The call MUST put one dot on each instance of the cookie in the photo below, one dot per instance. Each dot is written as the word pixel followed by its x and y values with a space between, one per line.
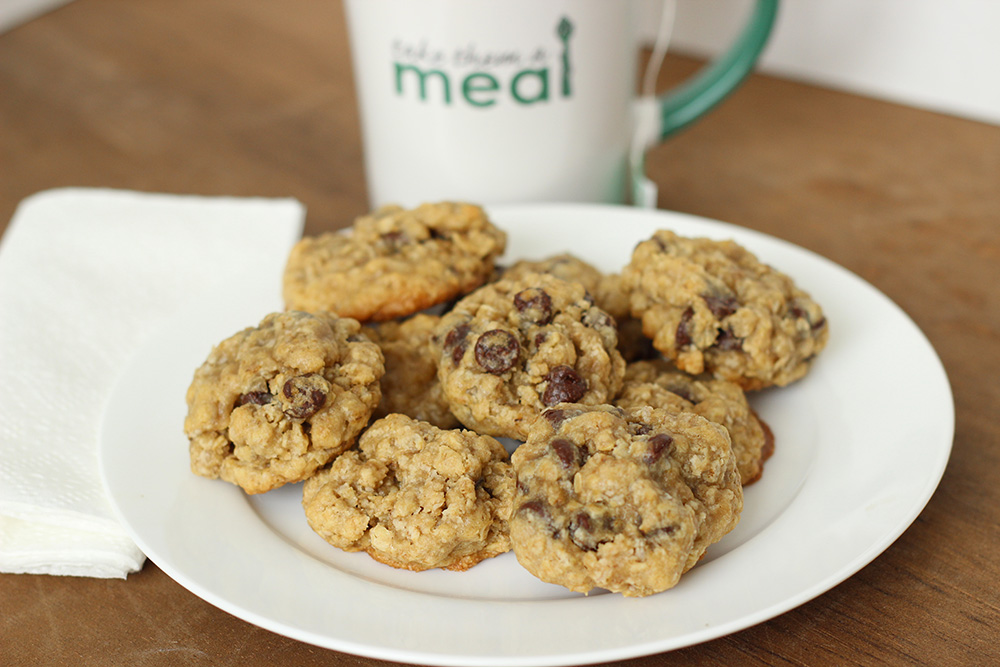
pixel 625 500
pixel 410 385
pixel 660 385
pixel 415 497
pixel 512 348
pixel 275 402
pixel 712 306
pixel 394 262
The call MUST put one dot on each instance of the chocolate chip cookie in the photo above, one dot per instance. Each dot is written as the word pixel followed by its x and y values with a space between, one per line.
pixel 512 348
pixel 415 497
pixel 712 306
pixel 394 262
pixel 410 385
pixel 660 385
pixel 274 402
pixel 621 499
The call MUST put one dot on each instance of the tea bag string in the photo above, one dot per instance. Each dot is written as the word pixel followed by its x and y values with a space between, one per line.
pixel 646 132
pixel 668 15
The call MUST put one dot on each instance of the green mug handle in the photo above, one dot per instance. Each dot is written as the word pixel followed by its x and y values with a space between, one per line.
pixel 716 80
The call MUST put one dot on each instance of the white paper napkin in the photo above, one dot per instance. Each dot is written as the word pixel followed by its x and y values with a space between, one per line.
pixel 85 277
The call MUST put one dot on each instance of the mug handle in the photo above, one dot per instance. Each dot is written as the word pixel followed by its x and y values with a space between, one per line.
pixel 715 81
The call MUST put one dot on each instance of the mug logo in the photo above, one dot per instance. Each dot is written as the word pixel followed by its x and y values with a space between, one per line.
pixel 564 31
pixel 482 79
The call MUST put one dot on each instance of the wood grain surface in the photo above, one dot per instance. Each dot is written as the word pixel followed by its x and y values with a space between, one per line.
pixel 253 97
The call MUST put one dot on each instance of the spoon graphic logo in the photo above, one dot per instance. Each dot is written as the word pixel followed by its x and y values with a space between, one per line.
pixel 565 31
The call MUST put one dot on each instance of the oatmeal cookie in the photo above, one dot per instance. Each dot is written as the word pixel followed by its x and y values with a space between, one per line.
pixel 410 385
pixel 514 347
pixel 394 262
pixel 621 499
pixel 274 402
pixel 415 497
pixel 660 385
pixel 712 306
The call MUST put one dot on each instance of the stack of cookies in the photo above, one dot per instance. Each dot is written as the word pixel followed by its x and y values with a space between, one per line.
pixel 405 352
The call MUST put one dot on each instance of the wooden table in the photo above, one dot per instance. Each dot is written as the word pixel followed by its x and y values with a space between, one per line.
pixel 252 97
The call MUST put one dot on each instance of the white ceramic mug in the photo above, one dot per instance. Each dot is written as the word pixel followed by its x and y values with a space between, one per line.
pixel 499 101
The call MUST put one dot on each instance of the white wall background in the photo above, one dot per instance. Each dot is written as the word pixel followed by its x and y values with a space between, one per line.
pixel 941 55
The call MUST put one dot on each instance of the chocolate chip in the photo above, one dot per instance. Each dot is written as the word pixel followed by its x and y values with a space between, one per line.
pixel 540 509
pixel 580 532
pixel 535 507
pixel 726 341
pixel 659 444
pixel 683 392
pixel 565 386
pixel 683 336
pixel 797 311
pixel 566 451
pixel 306 394
pixel 458 352
pixel 455 342
pixel 456 335
pixel 662 531
pixel 534 305
pixel 254 398
pixel 539 339
pixel 497 351
pixel 555 417
pixel 638 428
pixel 722 305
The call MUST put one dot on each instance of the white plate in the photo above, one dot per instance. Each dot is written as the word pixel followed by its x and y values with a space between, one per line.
pixel 862 442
